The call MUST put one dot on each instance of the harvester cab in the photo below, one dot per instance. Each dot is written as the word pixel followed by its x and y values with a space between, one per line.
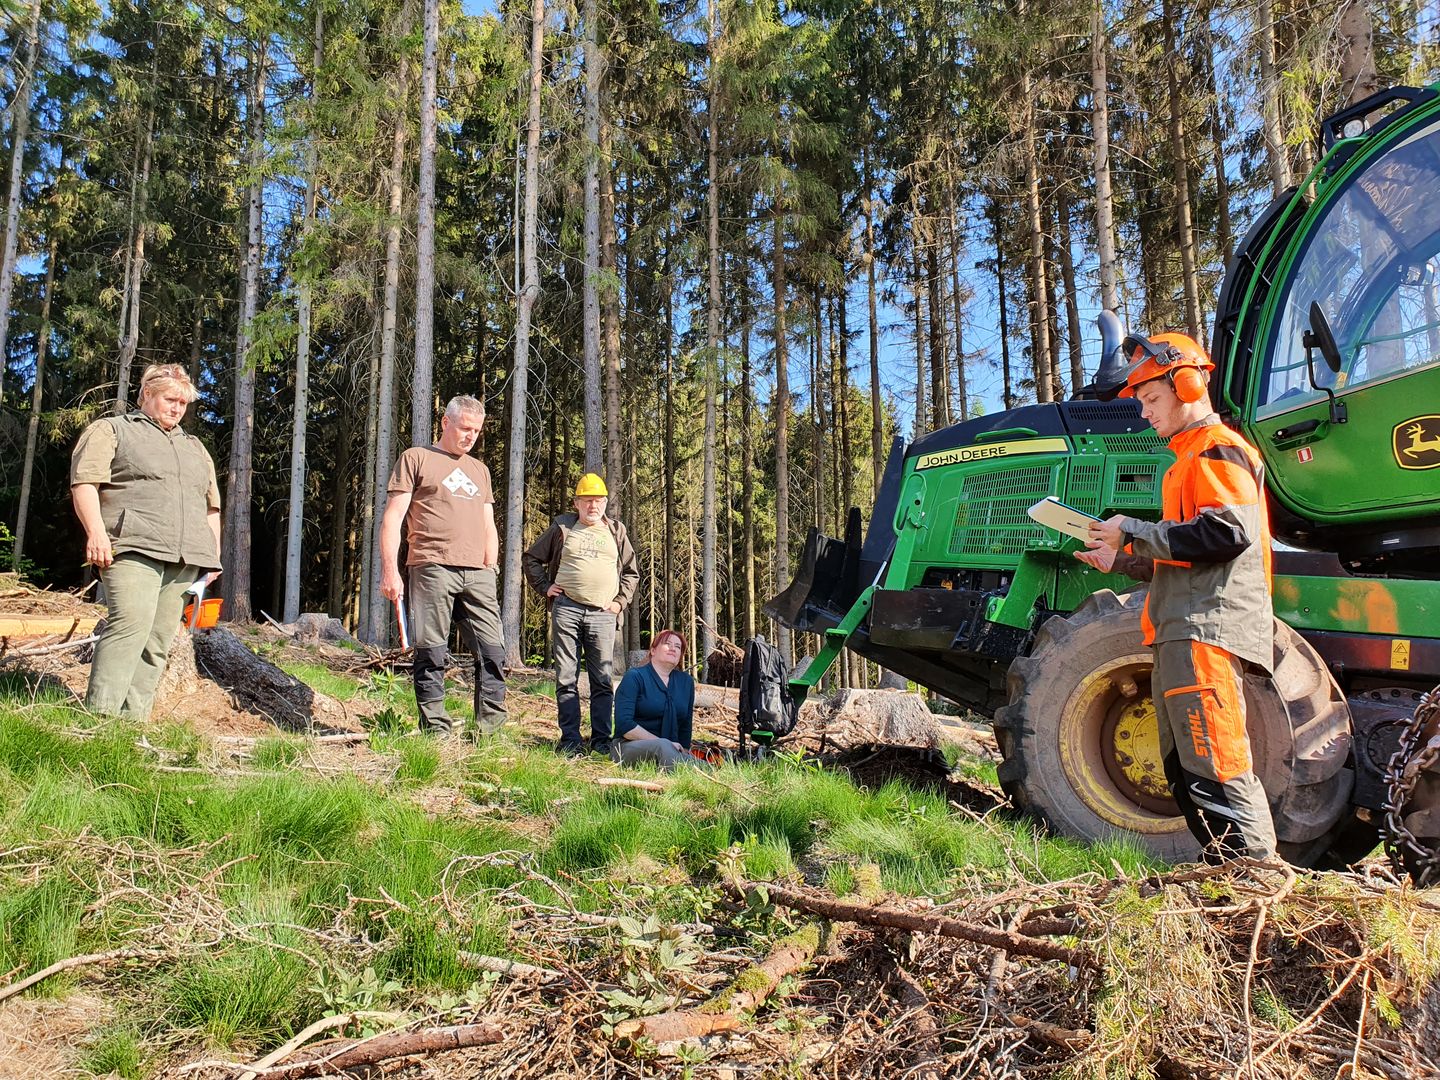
pixel 1327 357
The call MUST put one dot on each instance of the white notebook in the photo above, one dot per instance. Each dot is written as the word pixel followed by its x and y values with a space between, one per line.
pixel 1054 514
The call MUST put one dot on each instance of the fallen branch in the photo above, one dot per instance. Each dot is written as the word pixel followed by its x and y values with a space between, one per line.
pixel 916 1002
pixel 724 1011
pixel 41 650
pixel 625 781
pixel 841 911
pixel 505 966
pixel 88 960
pixel 1064 1038
pixel 343 737
pixel 372 1051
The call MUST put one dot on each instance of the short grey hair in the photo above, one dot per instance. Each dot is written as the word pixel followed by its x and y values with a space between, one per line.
pixel 466 404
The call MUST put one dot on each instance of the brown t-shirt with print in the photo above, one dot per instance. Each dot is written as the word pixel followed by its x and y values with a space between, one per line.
pixel 448 493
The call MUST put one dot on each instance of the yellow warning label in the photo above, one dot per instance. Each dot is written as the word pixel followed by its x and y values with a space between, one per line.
pixel 1400 654
pixel 988 451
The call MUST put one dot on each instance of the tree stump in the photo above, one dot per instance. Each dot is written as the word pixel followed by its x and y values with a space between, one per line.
pixel 180 672
pixel 855 718
pixel 723 665
pixel 314 627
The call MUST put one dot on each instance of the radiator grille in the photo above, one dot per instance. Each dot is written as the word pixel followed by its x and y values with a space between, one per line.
pixel 1137 484
pixel 1085 481
pixel 1146 442
pixel 991 517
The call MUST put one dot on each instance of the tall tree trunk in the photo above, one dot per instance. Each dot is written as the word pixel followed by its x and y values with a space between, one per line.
pixel 1100 144
pixel 917 294
pixel 594 429
pixel 782 418
pixel 841 374
pixel 135 259
pixel 747 458
pixel 520 377
pixel 708 618
pixel 1358 77
pixel 37 399
pixel 939 347
pixel 235 583
pixel 1179 157
pixel 610 327
pixel 422 383
pixel 1007 384
pixel 957 301
pixel 369 577
pixel 1275 153
pixel 877 442
pixel 1067 278
pixel 19 131
pixel 817 407
pixel 1224 231
pixel 340 506
pixel 668 398
pixel 295 517
pixel 1039 298
pixel 377 630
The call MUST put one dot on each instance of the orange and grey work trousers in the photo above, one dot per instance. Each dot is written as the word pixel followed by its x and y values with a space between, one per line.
pixel 1200 703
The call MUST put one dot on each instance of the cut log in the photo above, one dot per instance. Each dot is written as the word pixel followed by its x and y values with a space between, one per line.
pixel 34 626
pixel 259 686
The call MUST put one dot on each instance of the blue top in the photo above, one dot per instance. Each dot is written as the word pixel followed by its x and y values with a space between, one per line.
pixel 664 711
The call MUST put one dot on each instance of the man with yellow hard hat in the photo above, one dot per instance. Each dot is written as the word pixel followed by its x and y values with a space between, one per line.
pixel 585 567
pixel 1208 611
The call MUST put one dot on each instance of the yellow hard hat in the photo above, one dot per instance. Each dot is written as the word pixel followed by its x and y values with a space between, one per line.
pixel 590 484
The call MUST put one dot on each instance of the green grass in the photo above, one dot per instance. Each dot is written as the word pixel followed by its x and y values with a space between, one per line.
pixel 419 759
pixel 276 752
pixel 115 1051
pixel 290 854
pixel 321 678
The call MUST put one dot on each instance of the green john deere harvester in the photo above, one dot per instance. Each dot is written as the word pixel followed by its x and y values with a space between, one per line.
pixel 1327 352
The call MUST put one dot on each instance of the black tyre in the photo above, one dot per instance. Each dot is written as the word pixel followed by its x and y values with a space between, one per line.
pixel 1081 744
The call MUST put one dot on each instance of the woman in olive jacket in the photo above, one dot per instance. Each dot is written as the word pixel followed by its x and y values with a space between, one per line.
pixel 145 491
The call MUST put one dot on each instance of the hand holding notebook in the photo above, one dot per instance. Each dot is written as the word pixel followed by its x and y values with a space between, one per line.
pixel 1054 514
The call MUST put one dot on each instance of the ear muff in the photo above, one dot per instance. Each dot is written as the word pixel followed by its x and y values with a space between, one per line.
pixel 1189 384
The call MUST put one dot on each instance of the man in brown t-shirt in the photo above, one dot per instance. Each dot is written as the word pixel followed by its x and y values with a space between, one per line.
pixel 443 496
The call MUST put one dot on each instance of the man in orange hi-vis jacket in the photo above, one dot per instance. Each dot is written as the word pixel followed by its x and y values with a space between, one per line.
pixel 1208 611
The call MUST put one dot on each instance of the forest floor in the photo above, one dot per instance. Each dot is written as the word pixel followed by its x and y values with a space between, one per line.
pixel 222 895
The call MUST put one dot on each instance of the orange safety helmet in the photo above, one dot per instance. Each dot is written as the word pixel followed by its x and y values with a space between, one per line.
pixel 1176 357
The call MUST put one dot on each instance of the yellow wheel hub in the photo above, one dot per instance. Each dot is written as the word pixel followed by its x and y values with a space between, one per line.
pixel 1110 748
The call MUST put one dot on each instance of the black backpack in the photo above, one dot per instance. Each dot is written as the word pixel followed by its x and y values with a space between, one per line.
pixel 768 711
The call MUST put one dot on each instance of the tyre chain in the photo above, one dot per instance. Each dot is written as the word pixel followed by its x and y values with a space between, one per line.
pixel 1415 756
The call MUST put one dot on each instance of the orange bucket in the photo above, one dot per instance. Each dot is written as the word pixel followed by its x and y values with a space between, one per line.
pixel 208 617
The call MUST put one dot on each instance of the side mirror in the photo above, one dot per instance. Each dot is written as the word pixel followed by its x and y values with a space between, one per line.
pixel 1319 336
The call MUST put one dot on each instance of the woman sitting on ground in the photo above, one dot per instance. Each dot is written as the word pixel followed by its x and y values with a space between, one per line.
pixel 654 707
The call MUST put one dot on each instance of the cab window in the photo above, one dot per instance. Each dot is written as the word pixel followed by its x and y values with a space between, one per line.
pixel 1373 265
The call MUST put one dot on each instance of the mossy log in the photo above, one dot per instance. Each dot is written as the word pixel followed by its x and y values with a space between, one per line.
pixel 726 1010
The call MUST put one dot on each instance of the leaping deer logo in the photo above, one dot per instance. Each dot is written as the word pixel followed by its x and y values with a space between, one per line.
pixel 1417 443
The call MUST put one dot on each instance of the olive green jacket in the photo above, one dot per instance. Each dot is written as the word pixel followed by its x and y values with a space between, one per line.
pixel 156 490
